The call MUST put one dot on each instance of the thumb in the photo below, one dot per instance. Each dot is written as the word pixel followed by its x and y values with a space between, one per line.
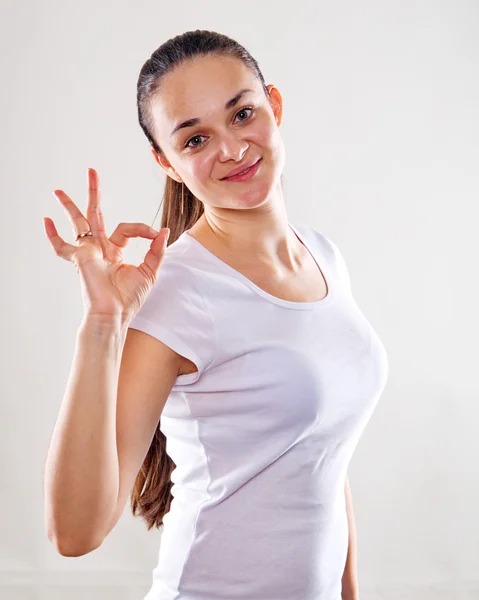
pixel 156 254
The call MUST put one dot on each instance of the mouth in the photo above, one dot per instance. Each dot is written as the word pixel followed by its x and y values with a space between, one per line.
pixel 246 174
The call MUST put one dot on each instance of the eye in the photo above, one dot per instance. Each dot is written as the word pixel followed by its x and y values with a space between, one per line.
pixel 195 137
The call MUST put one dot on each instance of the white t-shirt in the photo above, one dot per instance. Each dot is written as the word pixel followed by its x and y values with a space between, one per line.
pixel 263 432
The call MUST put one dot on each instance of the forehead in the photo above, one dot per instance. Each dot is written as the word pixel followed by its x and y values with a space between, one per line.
pixel 199 89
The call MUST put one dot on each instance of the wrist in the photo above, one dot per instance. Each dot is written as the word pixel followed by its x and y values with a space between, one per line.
pixel 104 323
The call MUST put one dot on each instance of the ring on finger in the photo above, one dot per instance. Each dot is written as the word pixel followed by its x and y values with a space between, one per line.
pixel 82 235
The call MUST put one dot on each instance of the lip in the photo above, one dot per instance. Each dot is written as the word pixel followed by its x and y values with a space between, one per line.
pixel 247 165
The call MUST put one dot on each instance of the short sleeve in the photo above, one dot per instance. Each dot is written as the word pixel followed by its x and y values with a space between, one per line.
pixel 176 313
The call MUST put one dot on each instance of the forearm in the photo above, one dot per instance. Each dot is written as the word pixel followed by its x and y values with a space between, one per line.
pixel 81 470
pixel 350 588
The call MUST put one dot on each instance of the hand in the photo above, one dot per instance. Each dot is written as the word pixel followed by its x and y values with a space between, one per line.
pixel 109 287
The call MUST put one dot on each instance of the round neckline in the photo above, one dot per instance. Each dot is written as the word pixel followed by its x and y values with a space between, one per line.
pixel 279 301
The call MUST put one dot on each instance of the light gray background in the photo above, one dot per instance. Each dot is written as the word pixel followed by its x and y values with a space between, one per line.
pixel 381 132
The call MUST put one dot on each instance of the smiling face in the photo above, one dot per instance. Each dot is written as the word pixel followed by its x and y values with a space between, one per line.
pixel 233 124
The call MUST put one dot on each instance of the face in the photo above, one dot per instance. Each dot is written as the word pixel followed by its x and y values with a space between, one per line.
pixel 225 138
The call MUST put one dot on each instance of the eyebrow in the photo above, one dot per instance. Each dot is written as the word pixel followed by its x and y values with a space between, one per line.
pixel 196 120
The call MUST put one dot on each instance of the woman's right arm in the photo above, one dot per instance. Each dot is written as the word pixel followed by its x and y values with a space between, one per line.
pixel 81 470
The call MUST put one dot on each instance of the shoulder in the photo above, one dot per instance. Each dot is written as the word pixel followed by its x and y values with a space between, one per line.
pixel 179 271
pixel 178 291
pixel 315 237
pixel 325 246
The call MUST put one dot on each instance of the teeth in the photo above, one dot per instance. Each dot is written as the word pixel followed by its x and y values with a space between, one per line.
pixel 242 172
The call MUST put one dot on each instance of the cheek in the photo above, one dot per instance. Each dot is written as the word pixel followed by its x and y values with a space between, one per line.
pixel 265 134
pixel 200 167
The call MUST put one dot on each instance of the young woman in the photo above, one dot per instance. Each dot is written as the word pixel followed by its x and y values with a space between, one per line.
pixel 242 335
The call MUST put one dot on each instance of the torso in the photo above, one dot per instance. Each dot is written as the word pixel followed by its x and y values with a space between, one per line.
pixel 307 284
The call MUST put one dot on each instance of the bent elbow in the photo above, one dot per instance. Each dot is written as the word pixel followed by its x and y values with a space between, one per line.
pixel 74 548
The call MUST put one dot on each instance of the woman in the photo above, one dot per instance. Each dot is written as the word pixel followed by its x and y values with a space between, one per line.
pixel 243 337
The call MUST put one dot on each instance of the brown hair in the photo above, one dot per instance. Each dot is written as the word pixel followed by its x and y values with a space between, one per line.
pixel 151 495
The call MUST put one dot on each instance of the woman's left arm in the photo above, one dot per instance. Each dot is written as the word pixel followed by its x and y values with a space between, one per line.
pixel 350 587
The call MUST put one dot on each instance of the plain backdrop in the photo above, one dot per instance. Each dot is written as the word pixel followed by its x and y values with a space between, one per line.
pixel 381 131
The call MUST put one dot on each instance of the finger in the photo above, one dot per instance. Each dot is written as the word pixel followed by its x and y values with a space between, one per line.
pixel 94 212
pixel 155 255
pixel 125 231
pixel 78 220
pixel 61 248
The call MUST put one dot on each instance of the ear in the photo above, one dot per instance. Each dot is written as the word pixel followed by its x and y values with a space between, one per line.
pixel 276 101
pixel 165 165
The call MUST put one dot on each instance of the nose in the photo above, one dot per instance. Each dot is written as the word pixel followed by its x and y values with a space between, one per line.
pixel 231 148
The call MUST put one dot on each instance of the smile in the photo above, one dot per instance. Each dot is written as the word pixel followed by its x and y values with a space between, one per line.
pixel 245 175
